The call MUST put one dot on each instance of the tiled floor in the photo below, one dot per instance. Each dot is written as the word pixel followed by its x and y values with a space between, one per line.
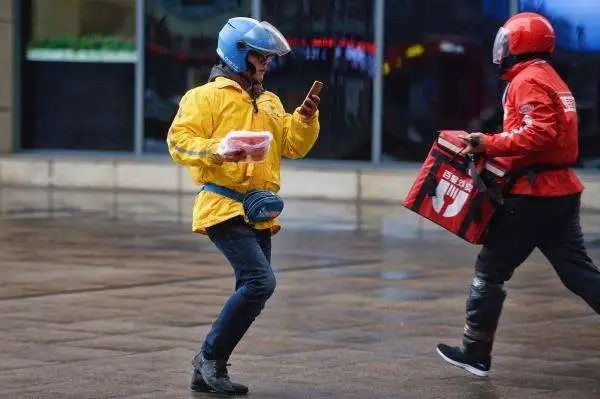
pixel 107 295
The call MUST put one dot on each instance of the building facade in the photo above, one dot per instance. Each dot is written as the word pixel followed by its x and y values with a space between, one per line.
pixel 106 76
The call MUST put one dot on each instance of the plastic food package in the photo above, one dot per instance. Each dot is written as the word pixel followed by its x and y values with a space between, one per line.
pixel 255 145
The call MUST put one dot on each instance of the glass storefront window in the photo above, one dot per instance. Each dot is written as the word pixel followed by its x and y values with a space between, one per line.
pixel 78 70
pixel 438 72
pixel 332 41
pixel 78 74
pixel 181 43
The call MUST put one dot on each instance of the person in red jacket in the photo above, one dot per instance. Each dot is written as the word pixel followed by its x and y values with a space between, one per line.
pixel 541 210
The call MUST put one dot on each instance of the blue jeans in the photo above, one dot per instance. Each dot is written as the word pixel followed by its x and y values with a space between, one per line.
pixel 249 253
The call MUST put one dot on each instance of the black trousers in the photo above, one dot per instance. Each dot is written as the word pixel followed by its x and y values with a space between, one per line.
pixel 524 223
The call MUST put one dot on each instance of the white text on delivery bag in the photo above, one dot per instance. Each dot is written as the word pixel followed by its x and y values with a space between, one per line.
pixel 459 193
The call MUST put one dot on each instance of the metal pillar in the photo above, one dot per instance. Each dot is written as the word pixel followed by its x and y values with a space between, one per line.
pixel 255 11
pixel 140 40
pixel 17 9
pixel 379 20
pixel 514 7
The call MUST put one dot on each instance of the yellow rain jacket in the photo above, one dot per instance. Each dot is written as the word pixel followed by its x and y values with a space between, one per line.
pixel 206 114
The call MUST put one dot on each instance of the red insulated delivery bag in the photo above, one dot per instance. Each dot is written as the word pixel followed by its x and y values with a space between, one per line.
pixel 459 193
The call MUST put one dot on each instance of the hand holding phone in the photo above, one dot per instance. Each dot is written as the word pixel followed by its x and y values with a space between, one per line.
pixel 311 102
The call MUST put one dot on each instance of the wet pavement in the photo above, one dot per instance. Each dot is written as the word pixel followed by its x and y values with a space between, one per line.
pixel 107 295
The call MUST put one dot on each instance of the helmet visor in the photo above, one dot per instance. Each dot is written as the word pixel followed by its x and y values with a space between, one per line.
pixel 500 49
pixel 266 39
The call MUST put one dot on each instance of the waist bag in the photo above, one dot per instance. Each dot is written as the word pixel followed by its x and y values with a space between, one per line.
pixel 259 205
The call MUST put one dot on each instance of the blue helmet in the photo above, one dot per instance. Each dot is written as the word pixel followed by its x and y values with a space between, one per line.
pixel 240 35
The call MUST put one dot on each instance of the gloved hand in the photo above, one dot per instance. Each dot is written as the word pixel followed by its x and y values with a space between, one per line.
pixel 475 143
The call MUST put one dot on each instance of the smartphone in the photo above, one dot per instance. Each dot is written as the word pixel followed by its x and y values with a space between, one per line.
pixel 315 89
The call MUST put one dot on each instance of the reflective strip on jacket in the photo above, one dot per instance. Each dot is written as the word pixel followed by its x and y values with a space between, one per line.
pixel 206 114
pixel 540 127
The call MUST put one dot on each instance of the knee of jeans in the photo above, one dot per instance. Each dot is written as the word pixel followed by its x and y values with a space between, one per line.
pixel 262 287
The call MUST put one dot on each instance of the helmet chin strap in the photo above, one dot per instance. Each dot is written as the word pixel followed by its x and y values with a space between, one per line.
pixel 250 67
pixel 512 60
pixel 254 87
pixel 248 75
pixel 246 80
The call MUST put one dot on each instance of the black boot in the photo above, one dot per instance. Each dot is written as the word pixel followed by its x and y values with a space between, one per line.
pixel 458 356
pixel 484 306
pixel 212 376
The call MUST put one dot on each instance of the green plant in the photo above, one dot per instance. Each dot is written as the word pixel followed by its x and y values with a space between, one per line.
pixel 92 42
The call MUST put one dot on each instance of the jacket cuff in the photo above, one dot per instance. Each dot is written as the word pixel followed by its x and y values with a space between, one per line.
pixel 303 119
pixel 490 146
pixel 214 158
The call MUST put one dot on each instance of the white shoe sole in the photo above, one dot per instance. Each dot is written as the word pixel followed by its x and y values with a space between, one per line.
pixel 470 369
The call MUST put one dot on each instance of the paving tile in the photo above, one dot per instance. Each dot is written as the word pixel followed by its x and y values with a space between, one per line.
pixel 115 307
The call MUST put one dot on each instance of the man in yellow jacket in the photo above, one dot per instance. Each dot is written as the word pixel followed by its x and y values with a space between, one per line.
pixel 234 100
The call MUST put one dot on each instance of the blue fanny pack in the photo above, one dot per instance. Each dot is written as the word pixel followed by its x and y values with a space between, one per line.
pixel 259 205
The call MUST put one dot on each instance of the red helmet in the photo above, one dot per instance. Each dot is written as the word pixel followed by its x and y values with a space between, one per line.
pixel 523 33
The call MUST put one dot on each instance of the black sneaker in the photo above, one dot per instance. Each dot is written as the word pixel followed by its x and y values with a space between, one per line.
pixel 198 384
pixel 212 376
pixel 456 356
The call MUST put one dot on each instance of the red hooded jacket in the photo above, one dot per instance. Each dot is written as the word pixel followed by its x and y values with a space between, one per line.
pixel 540 127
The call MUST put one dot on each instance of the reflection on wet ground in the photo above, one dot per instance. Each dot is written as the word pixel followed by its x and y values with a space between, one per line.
pixel 107 294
